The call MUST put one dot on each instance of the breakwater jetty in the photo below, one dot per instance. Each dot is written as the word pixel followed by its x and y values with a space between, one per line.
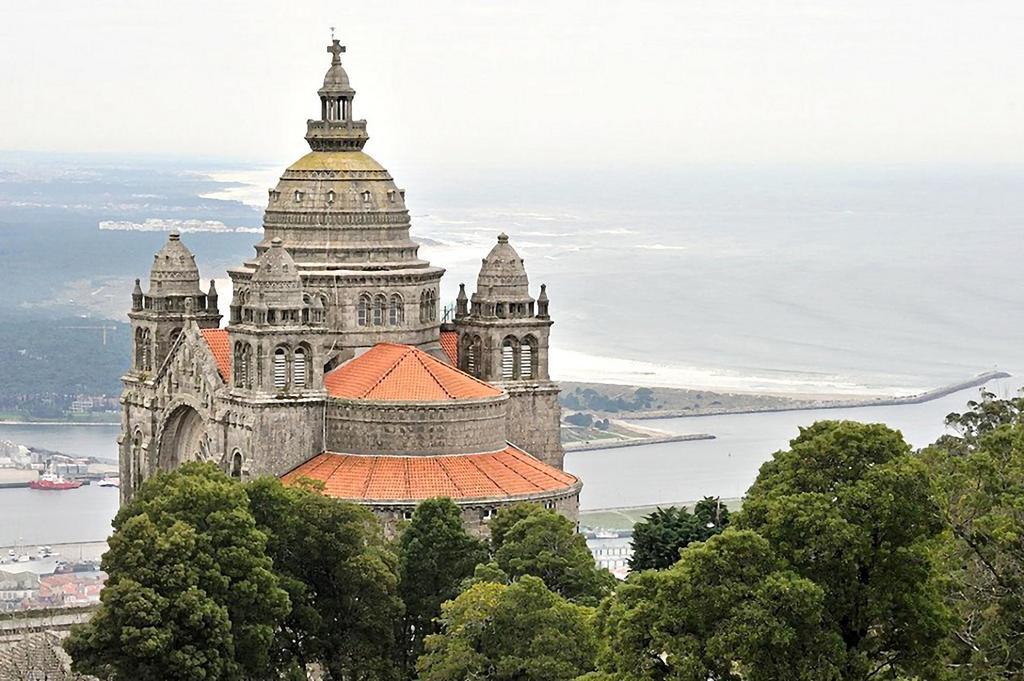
pixel 920 398
pixel 587 446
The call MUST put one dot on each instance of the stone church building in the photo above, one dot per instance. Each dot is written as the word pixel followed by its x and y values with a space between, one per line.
pixel 334 365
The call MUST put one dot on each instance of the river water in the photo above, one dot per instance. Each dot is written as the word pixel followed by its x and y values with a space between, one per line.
pixel 631 476
pixel 727 465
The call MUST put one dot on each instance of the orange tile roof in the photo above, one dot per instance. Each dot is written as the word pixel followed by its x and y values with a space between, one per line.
pixel 507 473
pixel 450 345
pixel 403 373
pixel 217 339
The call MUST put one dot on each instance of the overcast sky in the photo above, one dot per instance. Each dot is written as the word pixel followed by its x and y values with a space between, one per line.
pixel 564 83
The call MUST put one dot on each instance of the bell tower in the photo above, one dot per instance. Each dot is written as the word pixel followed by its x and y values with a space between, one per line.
pixel 275 331
pixel 503 339
pixel 159 315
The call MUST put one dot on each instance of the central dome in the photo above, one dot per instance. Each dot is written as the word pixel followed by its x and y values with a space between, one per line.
pixel 343 223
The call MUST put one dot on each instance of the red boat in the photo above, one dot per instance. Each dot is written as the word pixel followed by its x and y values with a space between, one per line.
pixel 51 481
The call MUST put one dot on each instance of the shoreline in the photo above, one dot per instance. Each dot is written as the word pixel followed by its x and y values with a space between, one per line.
pixel 58 423
pixel 802 405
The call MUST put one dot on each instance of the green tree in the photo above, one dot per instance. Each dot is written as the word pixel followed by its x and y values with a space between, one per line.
pixel 341 578
pixel 191 593
pixel 982 416
pixel 435 555
pixel 849 507
pixel 545 544
pixel 979 483
pixel 519 632
pixel 658 538
pixel 727 610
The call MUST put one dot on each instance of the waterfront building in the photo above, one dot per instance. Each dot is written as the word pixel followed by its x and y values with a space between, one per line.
pixel 335 365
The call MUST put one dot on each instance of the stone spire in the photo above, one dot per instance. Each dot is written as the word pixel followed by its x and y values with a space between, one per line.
pixel 174 270
pixel 211 295
pixel 502 279
pixel 542 302
pixel 336 130
pixel 137 296
pixel 461 303
pixel 277 278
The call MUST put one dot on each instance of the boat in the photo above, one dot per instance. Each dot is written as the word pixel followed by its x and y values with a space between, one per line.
pixel 109 482
pixel 49 481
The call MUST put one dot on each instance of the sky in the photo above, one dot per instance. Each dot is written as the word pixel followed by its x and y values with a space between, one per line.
pixel 568 86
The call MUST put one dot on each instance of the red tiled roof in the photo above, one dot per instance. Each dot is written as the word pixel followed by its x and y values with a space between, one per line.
pixel 450 345
pixel 509 472
pixel 403 373
pixel 217 339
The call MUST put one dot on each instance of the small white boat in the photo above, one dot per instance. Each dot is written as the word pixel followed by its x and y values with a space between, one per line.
pixel 110 482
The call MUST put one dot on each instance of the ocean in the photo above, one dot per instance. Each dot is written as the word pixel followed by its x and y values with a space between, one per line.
pixel 873 281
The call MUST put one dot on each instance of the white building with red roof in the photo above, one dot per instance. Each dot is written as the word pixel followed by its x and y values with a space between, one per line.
pixel 334 365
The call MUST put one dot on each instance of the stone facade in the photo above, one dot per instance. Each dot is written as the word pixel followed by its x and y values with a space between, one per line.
pixel 335 275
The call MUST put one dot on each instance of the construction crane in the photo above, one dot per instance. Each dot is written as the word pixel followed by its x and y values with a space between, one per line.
pixel 104 329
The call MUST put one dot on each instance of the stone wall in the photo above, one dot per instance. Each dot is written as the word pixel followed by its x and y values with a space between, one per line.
pixel 534 420
pixel 455 427
pixel 286 434
pixel 477 513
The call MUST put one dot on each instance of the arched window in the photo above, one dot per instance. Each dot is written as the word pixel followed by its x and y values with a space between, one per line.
pixel 300 367
pixel 380 304
pixel 431 305
pixel 465 350
pixel 363 313
pixel 147 351
pixel 140 349
pixel 508 358
pixel 136 461
pixel 423 305
pixel 250 367
pixel 236 465
pixel 280 368
pixel 473 356
pixel 237 366
pixel 528 358
pixel 396 310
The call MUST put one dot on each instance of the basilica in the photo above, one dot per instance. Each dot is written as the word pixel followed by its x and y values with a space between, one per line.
pixel 335 365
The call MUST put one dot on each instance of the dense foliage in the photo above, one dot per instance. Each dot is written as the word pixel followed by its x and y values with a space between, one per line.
pixel 592 400
pixel 435 555
pixel 46 362
pixel 191 592
pixel 853 559
pixel 979 483
pixel 849 508
pixel 728 610
pixel 332 560
pixel 660 536
pixel 530 540
pixel 519 632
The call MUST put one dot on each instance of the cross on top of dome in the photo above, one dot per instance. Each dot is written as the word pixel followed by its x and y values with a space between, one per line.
pixel 336 130
pixel 335 48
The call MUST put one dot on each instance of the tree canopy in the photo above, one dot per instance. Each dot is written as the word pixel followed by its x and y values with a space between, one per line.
pixel 849 508
pixel 528 539
pixel 191 592
pixel 341 578
pixel 979 483
pixel 516 632
pixel 435 556
pixel 727 610
pixel 658 538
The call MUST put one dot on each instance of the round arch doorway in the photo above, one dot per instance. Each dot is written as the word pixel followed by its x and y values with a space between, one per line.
pixel 183 439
